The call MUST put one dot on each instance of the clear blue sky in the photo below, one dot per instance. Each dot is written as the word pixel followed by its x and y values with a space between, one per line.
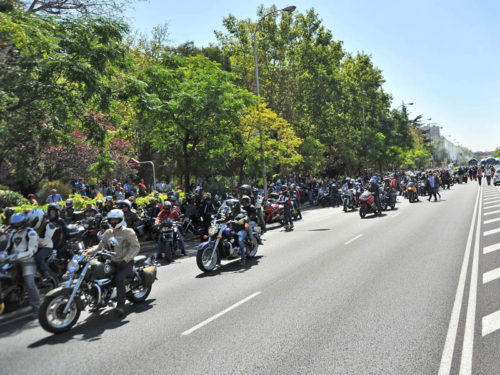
pixel 442 55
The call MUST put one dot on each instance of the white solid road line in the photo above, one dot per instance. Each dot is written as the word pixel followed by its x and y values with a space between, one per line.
pixel 353 239
pixel 493 231
pixel 496 205
pixel 492 213
pixel 216 316
pixel 491 323
pixel 491 248
pixel 470 320
pixel 491 275
pixel 491 221
pixel 451 336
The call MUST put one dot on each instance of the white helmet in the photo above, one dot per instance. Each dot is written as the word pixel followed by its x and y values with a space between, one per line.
pixel 115 214
pixel 35 218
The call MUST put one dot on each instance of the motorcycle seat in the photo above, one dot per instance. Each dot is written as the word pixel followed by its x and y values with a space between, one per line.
pixel 139 260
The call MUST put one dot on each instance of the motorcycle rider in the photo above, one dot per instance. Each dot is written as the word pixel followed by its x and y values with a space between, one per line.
pixel 21 247
pixel 247 205
pixel 45 230
pixel 295 195
pixel 238 226
pixel 108 205
pixel 61 233
pixel 286 201
pixel 123 241
pixel 131 218
pixel 374 188
pixel 169 213
pixel 67 211
pixel 99 206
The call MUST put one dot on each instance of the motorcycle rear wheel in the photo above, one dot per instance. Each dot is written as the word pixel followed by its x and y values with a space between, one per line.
pixel 140 295
pixel 51 317
pixel 205 261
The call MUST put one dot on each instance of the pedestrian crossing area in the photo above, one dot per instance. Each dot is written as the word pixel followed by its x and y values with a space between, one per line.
pixel 489 291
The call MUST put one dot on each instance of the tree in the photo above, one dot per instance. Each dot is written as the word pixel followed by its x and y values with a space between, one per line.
pixel 93 8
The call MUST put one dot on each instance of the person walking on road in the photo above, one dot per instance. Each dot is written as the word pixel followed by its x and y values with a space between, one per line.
pixel 479 175
pixel 488 175
pixel 431 187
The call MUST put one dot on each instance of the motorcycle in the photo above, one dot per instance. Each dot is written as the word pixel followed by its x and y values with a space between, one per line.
pixel 273 211
pixel 90 284
pixel 222 243
pixel 13 294
pixel 367 204
pixel 168 239
pixel 323 199
pixel 348 201
pixel 388 199
pixel 411 192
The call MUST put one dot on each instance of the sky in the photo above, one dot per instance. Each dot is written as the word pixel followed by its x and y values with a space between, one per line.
pixel 443 56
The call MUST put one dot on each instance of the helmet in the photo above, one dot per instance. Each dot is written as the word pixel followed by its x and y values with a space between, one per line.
pixel 167 204
pixel 69 202
pixel 8 212
pixel 247 189
pixel 18 220
pixel 122 204
pixel 373 179
pixel 115 214
pixel 108 198
pixel 245 200
pixel 292 186
pixel 353 181
pixel 98 201
pixel 53 207
pixel 35 218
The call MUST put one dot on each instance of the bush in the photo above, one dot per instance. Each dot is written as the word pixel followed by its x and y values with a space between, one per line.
pixel 62 188
pixel 4 187
pixel 9 198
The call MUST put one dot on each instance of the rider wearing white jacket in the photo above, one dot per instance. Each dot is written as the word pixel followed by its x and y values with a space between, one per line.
pixel 21 247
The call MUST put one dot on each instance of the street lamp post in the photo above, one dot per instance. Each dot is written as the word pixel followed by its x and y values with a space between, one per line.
pixel 290 9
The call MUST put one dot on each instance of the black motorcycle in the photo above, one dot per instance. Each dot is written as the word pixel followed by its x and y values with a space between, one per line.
pixel 13 294
pixel 167 241
pixel 90 284
pixel 222 243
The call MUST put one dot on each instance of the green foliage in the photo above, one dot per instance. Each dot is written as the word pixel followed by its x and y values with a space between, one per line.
pixel 9 198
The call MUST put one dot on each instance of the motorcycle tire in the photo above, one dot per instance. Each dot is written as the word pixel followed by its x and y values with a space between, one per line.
pixel 393 206
pixel 384 207
pixel 345 207
pixel 47 309
pixel 140 296
pixel 255 248
pixel 324 203
pixel 202 258
pixel 362 212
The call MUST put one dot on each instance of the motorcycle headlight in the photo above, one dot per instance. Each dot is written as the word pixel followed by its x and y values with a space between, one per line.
pixel 73 265
pixel 212 231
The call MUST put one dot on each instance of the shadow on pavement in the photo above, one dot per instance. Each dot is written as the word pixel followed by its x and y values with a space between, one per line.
pixel 233 266
pixel 95 324
pixel 319 230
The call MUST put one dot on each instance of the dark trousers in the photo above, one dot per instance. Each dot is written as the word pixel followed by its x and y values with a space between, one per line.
pixel 123 269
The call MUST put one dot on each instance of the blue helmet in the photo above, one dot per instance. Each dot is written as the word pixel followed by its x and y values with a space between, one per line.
pixel 373 179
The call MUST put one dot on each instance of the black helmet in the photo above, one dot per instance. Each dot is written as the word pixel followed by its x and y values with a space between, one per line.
pixel 53 207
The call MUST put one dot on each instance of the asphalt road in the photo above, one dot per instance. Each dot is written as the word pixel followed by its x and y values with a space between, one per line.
pixel 400 294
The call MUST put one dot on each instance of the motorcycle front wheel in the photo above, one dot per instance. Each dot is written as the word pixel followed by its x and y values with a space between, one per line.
pixel 51 316
pixel 204 259
pixel 362 211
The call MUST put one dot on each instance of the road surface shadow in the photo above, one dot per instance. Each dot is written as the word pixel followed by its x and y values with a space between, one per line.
pixel 319 230
pixel 233 266
pixel 94 325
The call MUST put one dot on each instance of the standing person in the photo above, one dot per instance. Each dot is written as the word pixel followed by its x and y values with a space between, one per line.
pixel 488 175
pixel 479 175
pixel 60 236
pixel 53 197
pixel 431 186
pixel 207 210
pixel 286 201
pixel 437 182
pixel 21 247
pixel 46 230
pixel 32 199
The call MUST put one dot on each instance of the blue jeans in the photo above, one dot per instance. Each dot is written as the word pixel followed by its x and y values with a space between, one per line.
pixel 242 234
pixel 288 214
pixel 29 270
pixel 180 240
pixel 310 196
pixel 41 260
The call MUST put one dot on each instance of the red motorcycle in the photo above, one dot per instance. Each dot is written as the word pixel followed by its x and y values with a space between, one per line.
pixel 367 204
pixel 273 211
